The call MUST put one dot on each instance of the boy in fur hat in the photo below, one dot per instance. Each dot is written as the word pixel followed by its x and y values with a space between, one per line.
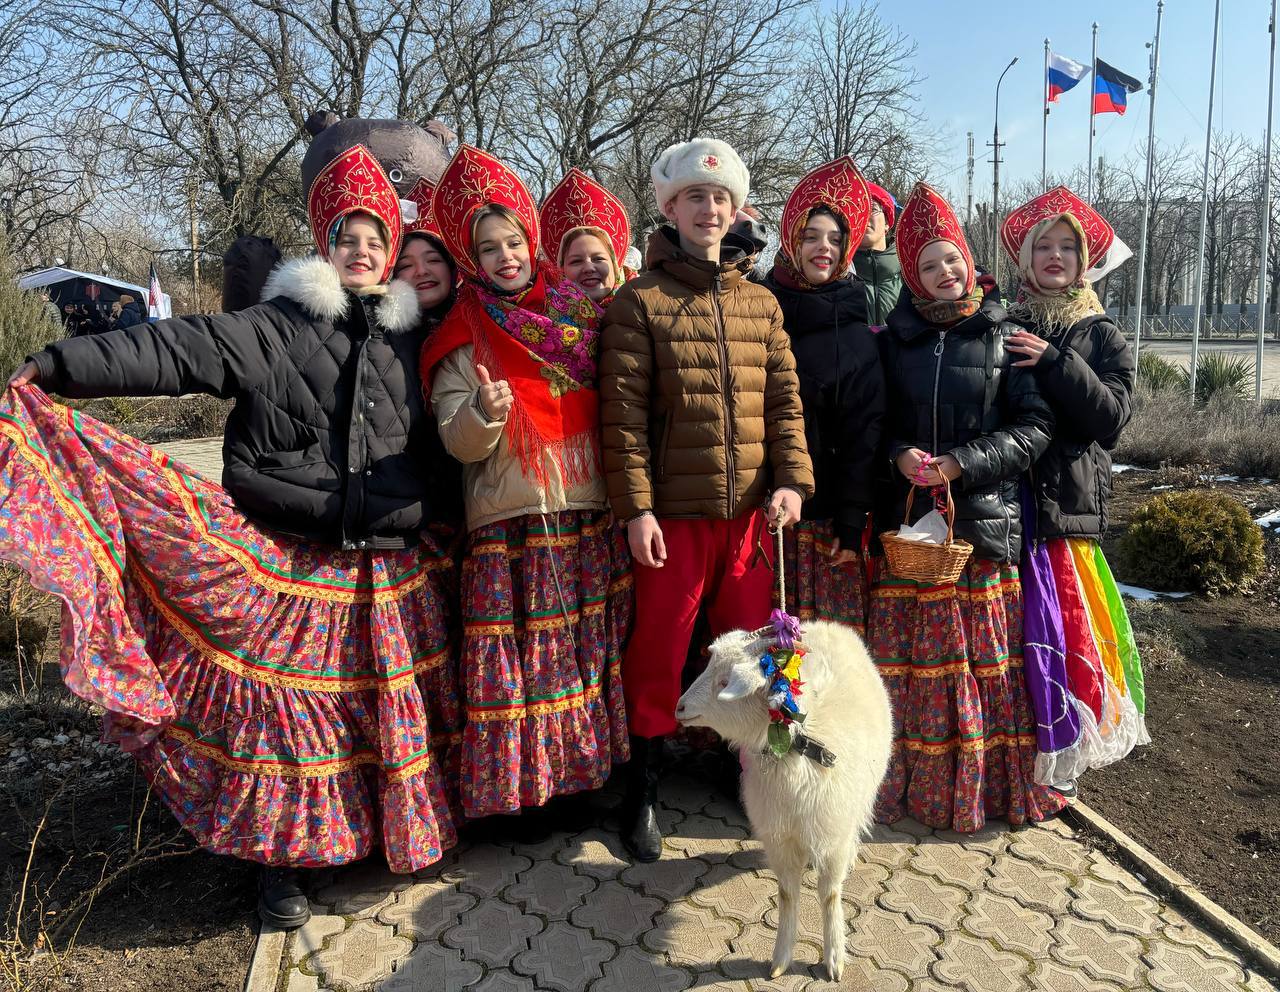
pixel 704 446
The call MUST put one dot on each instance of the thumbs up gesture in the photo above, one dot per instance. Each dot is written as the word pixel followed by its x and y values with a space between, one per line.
pixel 495 397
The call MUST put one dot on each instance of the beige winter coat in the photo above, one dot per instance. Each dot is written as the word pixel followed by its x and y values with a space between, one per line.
pixel 494 487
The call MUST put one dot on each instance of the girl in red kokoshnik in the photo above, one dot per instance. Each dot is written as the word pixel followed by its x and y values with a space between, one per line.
pixel 824 312
pixel 951 655
pixel 546 592
pixel 587 233
pixel 276 653
pixel 424 262
pixel 1085 675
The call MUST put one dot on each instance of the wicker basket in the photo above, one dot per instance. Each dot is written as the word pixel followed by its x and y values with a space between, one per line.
pixel 935 564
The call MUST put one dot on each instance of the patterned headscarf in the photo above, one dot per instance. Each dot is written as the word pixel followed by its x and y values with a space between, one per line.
pixel 1053 311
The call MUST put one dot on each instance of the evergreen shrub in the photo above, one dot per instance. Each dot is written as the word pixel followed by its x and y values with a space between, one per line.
pixel 1194 541
pixel 26 325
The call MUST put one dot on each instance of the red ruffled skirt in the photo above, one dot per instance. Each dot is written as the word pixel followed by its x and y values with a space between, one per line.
pixel 815 589
pixel 292 704
pixel 547 604
pixel 951 658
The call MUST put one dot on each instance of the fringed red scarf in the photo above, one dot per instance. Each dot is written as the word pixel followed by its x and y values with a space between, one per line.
pixel 544 341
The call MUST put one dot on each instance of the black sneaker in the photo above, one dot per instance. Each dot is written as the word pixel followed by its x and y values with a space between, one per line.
pixel 281 902
pixel 1067 790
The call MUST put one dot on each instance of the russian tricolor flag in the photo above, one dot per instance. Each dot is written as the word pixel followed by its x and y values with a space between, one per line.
pixel 1064 73
pixel 1111 89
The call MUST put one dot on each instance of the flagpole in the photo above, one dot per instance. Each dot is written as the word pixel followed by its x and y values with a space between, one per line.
pixel 1044 125
pixel 1146 194
pixel 1266 217
pixel 1093 67
pixel 1204 204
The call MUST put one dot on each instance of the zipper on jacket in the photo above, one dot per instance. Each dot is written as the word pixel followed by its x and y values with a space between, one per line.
pixel 875 288
pixel 724 390
pixel 1008 528
pixel 937 378
pixel 1035 509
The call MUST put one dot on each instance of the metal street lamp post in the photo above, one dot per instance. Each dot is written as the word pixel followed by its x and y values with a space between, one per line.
pixel 995 179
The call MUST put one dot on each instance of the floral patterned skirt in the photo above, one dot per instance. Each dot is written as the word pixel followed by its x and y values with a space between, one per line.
pixel 951 658
pixel 815 589
pixel 546 605
pixel 292 704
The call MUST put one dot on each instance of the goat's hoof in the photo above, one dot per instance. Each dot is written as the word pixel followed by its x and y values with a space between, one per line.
pixel 835 966
pixel 777 969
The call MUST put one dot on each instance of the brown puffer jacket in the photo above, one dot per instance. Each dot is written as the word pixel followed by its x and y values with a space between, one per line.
pixel 700 405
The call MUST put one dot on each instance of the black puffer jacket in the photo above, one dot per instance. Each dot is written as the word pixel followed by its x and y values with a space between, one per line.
pixel 842 389
pixel 1087 375
pixel 329 439
pixel 954 391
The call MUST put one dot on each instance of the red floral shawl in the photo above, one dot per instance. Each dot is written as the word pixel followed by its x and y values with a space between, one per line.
pixel 544 342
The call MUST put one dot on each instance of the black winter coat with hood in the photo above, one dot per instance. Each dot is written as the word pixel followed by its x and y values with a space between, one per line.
pixel 955 391
pixel 842 390
pixel 329 439
pixel 1087 375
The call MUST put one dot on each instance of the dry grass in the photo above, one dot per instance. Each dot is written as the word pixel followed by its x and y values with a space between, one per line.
pixel 1228 435
pixel 160 419
pixel 1166 638
pixel 52 767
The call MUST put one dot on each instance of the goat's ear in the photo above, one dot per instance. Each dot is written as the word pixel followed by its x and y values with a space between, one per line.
pixel 743 681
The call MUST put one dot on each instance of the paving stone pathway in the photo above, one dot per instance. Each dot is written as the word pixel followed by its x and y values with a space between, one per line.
pixel 525 906
pixel 518 909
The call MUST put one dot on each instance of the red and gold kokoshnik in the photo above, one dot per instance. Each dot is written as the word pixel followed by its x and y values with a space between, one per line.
pixel 1099 235
pixel 354 182
pixel 838 186
pixel 927 217
pixel 472 179
pixel 421 195
pixel 580 201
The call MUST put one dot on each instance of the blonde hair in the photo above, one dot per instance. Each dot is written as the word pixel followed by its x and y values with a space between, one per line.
pixel 573 234
pixel 502 212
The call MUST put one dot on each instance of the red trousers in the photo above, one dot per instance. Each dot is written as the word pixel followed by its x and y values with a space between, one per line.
pixel 715 561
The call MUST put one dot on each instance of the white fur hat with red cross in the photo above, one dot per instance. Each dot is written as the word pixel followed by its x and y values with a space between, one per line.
pixel 702 161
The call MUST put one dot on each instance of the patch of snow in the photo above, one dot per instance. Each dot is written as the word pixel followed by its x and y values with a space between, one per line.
pixel 1156 489
pixel 1271 519
pixel 1137 592
pixel 1219 478
pixel 1117 469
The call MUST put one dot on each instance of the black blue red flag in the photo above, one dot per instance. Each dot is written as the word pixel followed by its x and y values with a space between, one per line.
pixel 1111 89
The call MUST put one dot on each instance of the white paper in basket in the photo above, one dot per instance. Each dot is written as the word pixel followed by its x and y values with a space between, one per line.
pixel 929 529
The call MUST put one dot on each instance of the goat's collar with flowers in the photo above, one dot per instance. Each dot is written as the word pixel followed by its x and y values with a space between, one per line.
pixel 781 664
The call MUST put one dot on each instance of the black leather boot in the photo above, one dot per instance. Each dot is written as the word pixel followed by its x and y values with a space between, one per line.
pixel 281 901
pixel 640 831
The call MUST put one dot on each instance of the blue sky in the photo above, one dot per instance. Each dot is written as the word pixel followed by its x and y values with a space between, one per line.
pixel 963 47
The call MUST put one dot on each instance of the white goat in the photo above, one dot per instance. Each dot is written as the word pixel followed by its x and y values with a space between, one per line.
pixel 801 811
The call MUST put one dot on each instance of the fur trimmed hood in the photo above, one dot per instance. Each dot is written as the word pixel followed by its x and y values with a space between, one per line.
pixel 313 284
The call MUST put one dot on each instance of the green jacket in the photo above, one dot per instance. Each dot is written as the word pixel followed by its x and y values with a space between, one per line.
pixel 881 272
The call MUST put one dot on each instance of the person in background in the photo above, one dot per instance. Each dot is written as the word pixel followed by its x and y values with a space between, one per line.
pixel 130 312
pixel 876 260
pixel 424 262
pixel 587 235
pixel 50 308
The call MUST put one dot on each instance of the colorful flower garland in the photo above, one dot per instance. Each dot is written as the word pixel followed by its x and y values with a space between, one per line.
pixel 781 668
